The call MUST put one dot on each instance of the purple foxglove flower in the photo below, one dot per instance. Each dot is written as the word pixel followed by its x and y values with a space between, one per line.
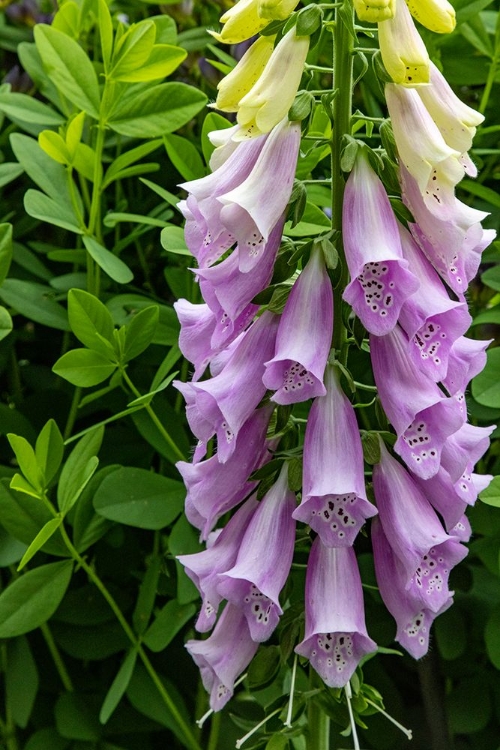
pixel 250 211
pixel 416 407
pixel 456 121
pixel 404 54
pixel 254 582
pixel 452 240
pixel 413 619
pixel 432 321
pixel 226 401
pixel 206 235
pixel 435 166
pixel 224 655
pixel 380 279
pixel 204 567
pixel 467 359
pixel 304 337
pixel 335 638
pixel 334 500
pixel 413 530
pixel 213 487
pixel 465 448
pixel 446 497
pixel 228 291
pixel 197 325
pixel 462 529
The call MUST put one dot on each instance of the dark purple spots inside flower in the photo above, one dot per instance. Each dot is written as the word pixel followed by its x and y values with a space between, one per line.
pixel 296 377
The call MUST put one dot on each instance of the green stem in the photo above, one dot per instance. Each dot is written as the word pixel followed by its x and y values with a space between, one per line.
pixel 489 85
pixel 57 658
pixel 318 723
pixel 8 727
pixel 213 740
pixel 154 418
pixel 72 413
pixel 186 730
pixel 342 110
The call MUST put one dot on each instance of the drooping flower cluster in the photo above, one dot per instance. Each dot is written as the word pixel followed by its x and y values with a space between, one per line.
pixel 250 364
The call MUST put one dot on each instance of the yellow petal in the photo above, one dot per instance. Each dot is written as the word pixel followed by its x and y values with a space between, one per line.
pixel 241 22
pixel 374 11
pixel 403 52
pixel 436 15
pixel 245 75
pixel 276 10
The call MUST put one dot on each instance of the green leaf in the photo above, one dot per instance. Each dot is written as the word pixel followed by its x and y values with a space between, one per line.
pixel 169 620
pixel 133 49
pixel 118 686
pixel 91 322
pixel 33 598
pixel 41 538
pixel 147 595
pixel 55 146
pixel 172 240
pixel 69 68
pixel 5 250
pixel 9 171
pixel 123 308
pixel 492 638
pixel 491 495
pixel 76 719
pixel 21 680
pixel 184 156
pixel 6 324
pixel 88 527
pixel 486 386
pixel 84 367
pixel 144 696
pixel 183 540
pixel 78 469
pixel 46 739
pixel 105 32
pixel 26 459
pixel 23 108
pixel 481 191
pixel 110 264
pixel 129 157
pixel 35 302
pixel 50 176
pixel 49 450
pixel 491 278
pixel 140 332
pixel 158 110
pixel 137 497
pixel 23 517
pixel 162 61
pixel 40 206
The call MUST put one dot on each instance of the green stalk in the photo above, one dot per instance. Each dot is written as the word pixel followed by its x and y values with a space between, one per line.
pixel 190 739
pixel 318 723
pixel 342 110
pixel 57 658
pixel 155 418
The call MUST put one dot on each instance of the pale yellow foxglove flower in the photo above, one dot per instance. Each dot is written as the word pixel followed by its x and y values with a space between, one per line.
pixel 245 75
pixel 436 15
pixel 241 22
pixel 276 10
pixel 374 11
pixel 403 52
pixel 268 102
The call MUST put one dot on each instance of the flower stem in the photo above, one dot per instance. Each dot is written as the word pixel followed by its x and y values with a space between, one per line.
pixel 57 658
pixel 318 732
pixel 342 110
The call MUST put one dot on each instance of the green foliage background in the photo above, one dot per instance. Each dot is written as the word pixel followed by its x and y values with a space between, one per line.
pixel 94 609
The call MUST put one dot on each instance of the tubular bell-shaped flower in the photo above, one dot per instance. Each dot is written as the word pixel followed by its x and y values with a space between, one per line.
pixel 413 619
pixel 456 121
pixel 465 448
pixel 206 235
pixel 434 165
pixel 213 487
pixel 224 655
pixel 244 75
pixel 269 100
pixel 403 52
pixel 250 212
pixel 416 407
pixel 374 11
pixel 415 534
pixel 335 638
pixel 334 501
pixel 227 400
pixel 380 279
pixel 432 321
pixel 304 337
pixel 240 22
pixel 254 582
pixel 436 15
pixel 467 359
pixel 197 325
pixel 204 567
